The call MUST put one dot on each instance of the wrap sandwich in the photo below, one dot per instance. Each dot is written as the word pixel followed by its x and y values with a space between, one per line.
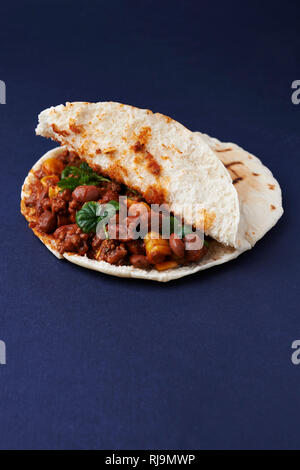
pixel 136 194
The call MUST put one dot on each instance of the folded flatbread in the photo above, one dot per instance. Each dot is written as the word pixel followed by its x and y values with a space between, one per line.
pixel 236 197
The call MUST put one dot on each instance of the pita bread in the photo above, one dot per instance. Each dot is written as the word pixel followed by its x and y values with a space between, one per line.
pixel 260 202
pixel 259 192
pixel 154 154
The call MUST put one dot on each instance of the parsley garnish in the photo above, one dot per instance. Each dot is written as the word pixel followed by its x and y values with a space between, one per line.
pixel 93 213
pixel 73 176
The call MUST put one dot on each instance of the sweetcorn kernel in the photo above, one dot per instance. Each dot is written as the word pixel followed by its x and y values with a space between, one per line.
pixel 53 165
pixel 53 191
pixel 166 265
pixel 49 180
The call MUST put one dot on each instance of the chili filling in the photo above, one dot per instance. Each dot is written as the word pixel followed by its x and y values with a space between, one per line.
pixel 82 211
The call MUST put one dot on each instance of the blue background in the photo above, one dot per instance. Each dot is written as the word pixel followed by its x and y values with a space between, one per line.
pixel 100 362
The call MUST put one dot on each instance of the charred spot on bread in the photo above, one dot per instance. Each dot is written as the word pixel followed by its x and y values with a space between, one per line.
pixel 229 165
pixel 117 172
pixel 138 147
pixel 154 195
pixel 236 180
pixel 141 139
pixel 77 129
pixel 58 131
pixel 224 150
pixel 152 165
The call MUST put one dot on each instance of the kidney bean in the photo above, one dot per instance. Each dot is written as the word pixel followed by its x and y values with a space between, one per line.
pixel 139 261
pixel 192 256
pixel 140 215
pixel 176 245
pixel 193 241
pixel 86 193
pixel 47 222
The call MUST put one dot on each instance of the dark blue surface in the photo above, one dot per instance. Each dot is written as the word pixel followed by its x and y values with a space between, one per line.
pixel 99 362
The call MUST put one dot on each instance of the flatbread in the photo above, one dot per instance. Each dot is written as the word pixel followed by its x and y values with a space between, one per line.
pixel 260 203
pixel 259 192
pixel 154 154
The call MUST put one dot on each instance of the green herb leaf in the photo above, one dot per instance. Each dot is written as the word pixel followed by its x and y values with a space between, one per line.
pixel 92 213
pixel 87 218
pixel 70 170
pixel 68 183
pixel 84 166
pixel 72 176
pixel 107 211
